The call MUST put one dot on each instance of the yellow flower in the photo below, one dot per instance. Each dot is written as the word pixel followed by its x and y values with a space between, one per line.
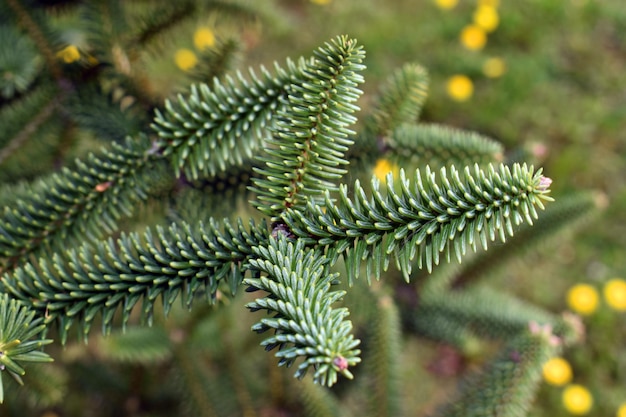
pixel 185 59
pixel 492 3
pixel 494 67
pixel 321 2
pixel 446 4
pixel 473 37
pixel 557 371
pixel 615 294
pixel 69 54
pixel 384 167
pixel 204 38
pixel 487 18
pixel 460 87
pixel 621 411
pixel 583 299
pixel 93 61
pixel 577 399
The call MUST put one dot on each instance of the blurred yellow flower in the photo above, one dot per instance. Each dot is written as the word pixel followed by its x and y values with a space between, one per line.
pixel 615 294
pixel 69 54
pixel 460 87
pixel 621 411
pixel 557 371
pixel 583 298
pixel 446 4
pixel 487 18
pixel 473 37
pixel 203 38
pixel 494 67
pixel 492 3
pixel 577 399
pixel 185 59
pixel 321 2
pixel 93 61
pixel 384 167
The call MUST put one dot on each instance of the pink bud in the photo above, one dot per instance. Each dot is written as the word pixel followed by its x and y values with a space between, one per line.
pixel 544 183
pixel 103 186
pixel 341 363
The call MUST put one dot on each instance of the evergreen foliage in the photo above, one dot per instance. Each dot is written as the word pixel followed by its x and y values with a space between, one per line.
pixel 425 218
pixel 71 257
pixel 17 325
pixel 298 283
pixel 507 385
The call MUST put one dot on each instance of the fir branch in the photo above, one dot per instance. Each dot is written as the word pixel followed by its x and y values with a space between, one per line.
pixel 305 323
pixel 385 359
pixel 161 20
pixel 209 129
pixel 105 23
pixel 217 61
pixel 203 393
pixel 438 146
pixel 507 386
pixel 29 130
pixel 23 117
pixel 109 117
pixel 567 214
pixel 38 34
pixel 79 285
pixel 562 217
pixel 19 63
pixel 311 135
pixel 17 326
pixel 400 100
pixel 46 386
pixel 450 316
pixel 137 345
pixel 424 219
pixel 218 196
pixel 318 401
pixel 106 186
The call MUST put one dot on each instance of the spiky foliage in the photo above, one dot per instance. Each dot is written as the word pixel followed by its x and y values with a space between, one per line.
pixel 559 218
pixel 507 385
pixel 385 359
pixel 317 401
pixel 17 116
pixel 217 61
pixel 75 288
pixel 204 130
pixel 137 344
pixel 18 61
pixel 425 218
pixel 106 186
pixel 398 102
pixel 312 133
pixel 305 323
pixel 400 99
pixel 437 145
pixel 455 316
pixel 289 133
pixel 18 325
